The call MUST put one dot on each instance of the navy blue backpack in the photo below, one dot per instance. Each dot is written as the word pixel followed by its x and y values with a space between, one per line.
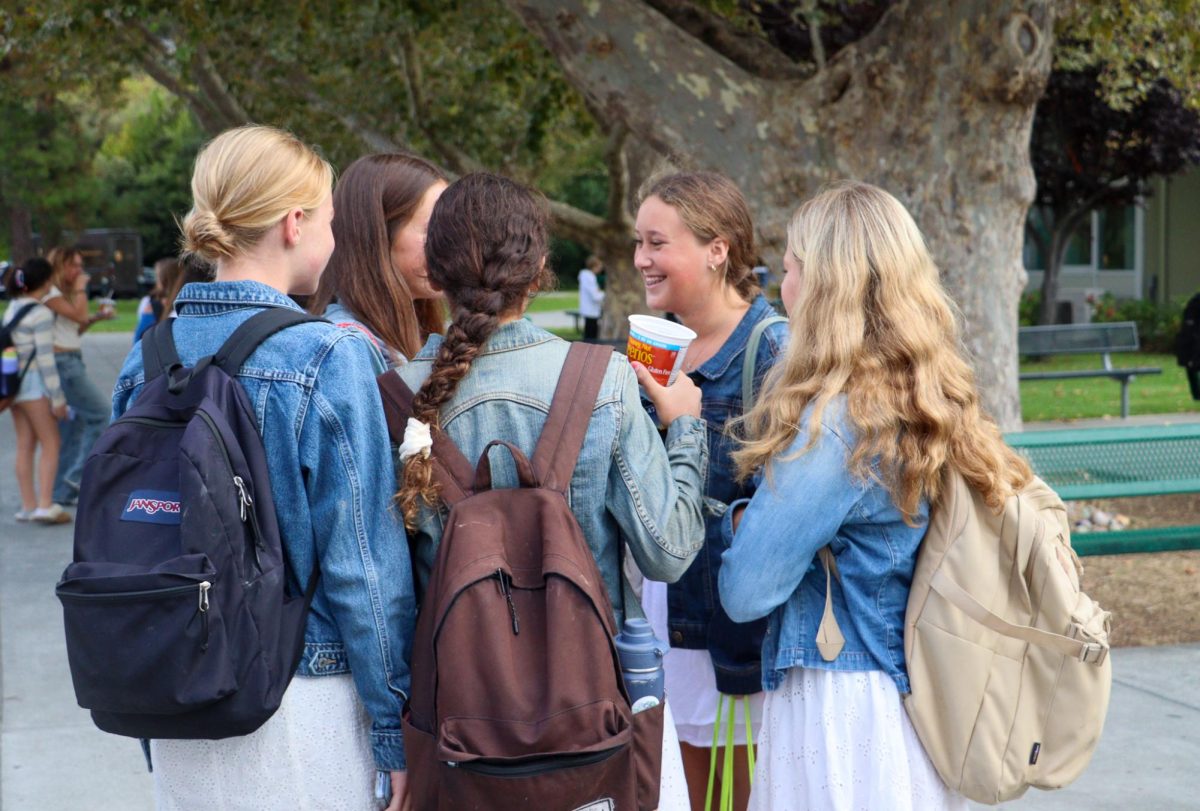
pixel 177 616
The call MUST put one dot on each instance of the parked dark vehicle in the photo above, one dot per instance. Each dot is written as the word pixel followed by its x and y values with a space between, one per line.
pixel 112 258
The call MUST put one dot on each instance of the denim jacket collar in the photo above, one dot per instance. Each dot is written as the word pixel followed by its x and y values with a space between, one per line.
pixel 507 337
pixel 208 298
pixel 718 364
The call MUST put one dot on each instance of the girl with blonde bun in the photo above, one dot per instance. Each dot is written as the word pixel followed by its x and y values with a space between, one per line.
pixel 262 214
pixel 871 402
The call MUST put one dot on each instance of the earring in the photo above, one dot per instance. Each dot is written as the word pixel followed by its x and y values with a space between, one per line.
pixel 712 268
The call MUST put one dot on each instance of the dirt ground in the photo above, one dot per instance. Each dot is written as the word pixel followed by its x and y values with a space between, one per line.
pixel 1154 597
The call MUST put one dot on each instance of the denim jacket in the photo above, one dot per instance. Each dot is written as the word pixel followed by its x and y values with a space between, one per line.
pixel 383 357
pixel 625 486
pixel 696 618
pixel 805 503
pixel 313 391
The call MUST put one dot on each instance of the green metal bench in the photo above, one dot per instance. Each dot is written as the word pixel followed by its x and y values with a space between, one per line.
pixel 1074 339
pixel 1088 463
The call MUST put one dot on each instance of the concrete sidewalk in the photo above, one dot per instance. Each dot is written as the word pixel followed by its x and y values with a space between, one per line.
pixel 52 758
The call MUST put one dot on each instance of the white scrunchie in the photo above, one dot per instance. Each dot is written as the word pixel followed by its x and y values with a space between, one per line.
pixel 417 439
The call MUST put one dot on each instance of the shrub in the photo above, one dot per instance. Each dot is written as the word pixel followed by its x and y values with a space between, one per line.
pixel 1158 324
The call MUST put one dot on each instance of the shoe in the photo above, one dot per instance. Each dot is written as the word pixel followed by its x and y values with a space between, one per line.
pixel 54 514
pixel 23 515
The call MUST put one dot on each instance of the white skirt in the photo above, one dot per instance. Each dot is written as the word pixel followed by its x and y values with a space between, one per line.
pixel 842 741
pixel 313 753
pixel 691 684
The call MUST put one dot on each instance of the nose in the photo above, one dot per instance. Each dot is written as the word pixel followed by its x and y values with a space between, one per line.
pixel 641 258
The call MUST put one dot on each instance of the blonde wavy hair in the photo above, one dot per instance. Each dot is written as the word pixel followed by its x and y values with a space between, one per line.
pixel 871 320
pixel 244 182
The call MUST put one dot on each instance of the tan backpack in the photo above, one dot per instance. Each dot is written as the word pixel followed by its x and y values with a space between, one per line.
pixel 1007 658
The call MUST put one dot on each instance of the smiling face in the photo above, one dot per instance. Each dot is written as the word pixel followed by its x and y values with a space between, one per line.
pixel 408 246
pixel 675 264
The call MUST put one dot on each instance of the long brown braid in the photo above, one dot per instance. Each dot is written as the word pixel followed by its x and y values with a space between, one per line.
pixel 486 248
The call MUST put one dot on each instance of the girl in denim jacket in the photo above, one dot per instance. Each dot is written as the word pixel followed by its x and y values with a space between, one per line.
pixel 873 398
pixel 494 375
pixel 262 213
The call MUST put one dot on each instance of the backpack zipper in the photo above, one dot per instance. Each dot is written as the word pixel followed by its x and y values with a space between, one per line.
pixel 506 590
pixel 535 766
pixel 245 501
pixel 202 603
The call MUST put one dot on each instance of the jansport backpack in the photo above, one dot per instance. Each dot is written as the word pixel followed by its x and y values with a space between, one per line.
pixel 1007 658
pixel 11 372
pixel 177 618
pixel 517 696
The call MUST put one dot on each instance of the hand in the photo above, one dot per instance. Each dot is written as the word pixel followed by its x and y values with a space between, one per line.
pixel 80 284
pixel 400 799
pixel 59 412
pixel 680 398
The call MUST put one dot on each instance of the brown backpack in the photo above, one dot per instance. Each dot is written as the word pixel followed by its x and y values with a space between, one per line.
pixel 517 698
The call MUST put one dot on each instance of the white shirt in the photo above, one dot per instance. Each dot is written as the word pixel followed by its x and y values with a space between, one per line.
pixel 590 294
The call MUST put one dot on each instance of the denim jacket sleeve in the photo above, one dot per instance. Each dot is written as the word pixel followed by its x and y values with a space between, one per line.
pixel 795 511
pixel 361 544
pixel 656 496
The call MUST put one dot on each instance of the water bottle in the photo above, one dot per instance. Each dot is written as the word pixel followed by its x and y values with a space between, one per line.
pixel 641 655
pixel 9 363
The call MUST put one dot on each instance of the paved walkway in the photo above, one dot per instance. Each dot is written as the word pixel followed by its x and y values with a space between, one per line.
pixel 53 759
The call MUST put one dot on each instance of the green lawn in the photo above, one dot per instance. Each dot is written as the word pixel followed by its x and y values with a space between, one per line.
pixel 126 318
pixel 1166 393
pixel 552 301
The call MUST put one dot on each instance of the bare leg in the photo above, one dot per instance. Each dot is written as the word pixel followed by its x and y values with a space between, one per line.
pixel 695 765
pixel 45 430
pixel 26 446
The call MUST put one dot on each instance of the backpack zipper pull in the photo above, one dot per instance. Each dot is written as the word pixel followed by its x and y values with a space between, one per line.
pixel 204 587
pixel 245 502
pixel 512 609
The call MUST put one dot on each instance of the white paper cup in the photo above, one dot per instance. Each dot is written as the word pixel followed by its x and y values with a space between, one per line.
pixel 659 345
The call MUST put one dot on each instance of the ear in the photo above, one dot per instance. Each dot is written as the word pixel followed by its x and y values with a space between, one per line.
pixel 718 251
pixel 291 227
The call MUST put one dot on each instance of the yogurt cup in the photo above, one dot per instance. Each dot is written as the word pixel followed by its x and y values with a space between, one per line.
pixel 659 345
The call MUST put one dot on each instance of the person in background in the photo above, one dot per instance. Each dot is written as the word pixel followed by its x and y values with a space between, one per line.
pixel 159 303
pixel 871 402
pixel 89 409
pixel 262 215
pixel 377 281
pixel 591 297
pixel 695 249
pixel 40 400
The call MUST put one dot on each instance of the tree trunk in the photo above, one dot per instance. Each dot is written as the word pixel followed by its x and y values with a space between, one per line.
pixel 935 105
pixel 1048 311
pixel 20 231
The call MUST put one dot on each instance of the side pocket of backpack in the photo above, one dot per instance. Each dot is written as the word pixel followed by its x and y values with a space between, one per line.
pixel 146 641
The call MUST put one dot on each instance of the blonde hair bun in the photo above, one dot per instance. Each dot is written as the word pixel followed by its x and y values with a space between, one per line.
pixel 244 182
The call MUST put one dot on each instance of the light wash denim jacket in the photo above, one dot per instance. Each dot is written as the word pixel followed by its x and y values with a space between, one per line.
pixel 313 391
pixel 626 486
pixel 772 566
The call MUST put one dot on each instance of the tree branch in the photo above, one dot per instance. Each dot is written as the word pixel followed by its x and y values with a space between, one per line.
pixel 618 173
pixel 215 88
pixel 752 53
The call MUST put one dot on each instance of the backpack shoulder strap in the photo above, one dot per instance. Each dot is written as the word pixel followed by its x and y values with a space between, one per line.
pixel 158 350
pixel 571 410
pixel 19 314
pixel 751 358
pixel 451 469
pixel 239 346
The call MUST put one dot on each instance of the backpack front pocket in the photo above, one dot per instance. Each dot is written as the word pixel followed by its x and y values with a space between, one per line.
pixel 146 641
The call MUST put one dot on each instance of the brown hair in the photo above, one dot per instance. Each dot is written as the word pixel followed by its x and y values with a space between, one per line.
pixel 59 258
pixel 244 181
pixel 486 247
pixel 375 197
pixel 168 275
pixel 712 206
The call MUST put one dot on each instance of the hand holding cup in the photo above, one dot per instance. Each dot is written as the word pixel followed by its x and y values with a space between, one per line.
pixel 676 400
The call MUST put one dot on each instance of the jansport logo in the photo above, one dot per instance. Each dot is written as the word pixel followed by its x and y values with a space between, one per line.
pixel 152 507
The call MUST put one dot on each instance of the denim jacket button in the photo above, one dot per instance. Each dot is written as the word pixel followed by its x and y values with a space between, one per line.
pixel 677 637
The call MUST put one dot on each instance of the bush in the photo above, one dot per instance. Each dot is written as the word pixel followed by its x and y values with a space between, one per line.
pixel 1027 309
pixel 1158 324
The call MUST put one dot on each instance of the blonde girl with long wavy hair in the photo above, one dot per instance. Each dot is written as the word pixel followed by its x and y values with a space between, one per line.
pixel 871 402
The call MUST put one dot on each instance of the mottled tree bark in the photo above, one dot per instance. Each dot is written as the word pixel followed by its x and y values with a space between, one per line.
pixel 20 231
pixel 935 105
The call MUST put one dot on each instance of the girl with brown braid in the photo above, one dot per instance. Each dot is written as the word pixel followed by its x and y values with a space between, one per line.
pixel 494 374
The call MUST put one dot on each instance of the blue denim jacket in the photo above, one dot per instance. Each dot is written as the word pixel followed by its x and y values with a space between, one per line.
pixel 696 619
pixel 313 391
pixel 625 486
pixel 772 566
